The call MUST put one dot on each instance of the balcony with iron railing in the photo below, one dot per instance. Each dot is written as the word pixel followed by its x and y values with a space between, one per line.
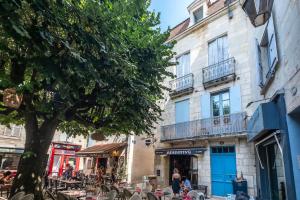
pixel 227 125
pixel 219 73
pixel 182 86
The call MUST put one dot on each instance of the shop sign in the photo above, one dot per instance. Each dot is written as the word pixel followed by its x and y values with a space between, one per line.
pixel 11 150
pixel 64 152
pixel 185 151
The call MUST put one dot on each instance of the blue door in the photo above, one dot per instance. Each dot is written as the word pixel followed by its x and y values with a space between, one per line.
pixel 182 115
pixel 223 169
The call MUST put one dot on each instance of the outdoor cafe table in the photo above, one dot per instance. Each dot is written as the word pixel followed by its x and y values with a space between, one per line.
pixel 68 183
pixel 74 193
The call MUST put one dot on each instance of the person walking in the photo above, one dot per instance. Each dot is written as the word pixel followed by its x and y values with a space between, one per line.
pixel 176 181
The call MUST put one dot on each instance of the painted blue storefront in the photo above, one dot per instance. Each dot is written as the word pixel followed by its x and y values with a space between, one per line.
pixel 276 137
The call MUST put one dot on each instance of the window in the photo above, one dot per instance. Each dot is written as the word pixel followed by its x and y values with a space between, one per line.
pixel 266 54
pixel 198 14
pixel 218 50
pixel 220 104
pixel 14 131
pixel 183 66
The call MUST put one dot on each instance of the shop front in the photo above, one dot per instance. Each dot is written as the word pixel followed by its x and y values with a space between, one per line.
pixel 268 131
pixel 62 154
pixel 183 159
pixel 109 157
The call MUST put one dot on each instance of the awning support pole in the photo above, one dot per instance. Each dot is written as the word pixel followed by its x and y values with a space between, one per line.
pixel 272 135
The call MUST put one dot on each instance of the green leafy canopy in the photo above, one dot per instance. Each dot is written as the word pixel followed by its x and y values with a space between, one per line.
pixel 90 65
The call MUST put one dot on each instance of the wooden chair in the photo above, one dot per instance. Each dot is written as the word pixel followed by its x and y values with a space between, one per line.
pixel 18 196
pixel 151 196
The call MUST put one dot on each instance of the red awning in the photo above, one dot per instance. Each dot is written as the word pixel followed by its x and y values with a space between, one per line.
pixel 101 149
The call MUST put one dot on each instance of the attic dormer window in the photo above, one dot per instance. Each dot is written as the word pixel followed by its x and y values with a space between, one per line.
pixel 198 14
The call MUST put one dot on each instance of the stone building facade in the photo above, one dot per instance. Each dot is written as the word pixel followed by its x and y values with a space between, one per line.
pixel 205 113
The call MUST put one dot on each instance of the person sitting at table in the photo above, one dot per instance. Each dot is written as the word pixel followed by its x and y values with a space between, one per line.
pixel 6 178
pixel 68 172
pixel 186 183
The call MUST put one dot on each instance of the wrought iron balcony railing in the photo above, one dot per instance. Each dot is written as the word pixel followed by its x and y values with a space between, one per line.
pixel 182 85
pixel 232 124
pixel 218 73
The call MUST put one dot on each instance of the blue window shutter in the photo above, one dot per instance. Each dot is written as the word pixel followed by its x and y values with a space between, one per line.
pixel 182 111
pixel 272 46
pixel 235 99
pixel 258 64
pixel 205 105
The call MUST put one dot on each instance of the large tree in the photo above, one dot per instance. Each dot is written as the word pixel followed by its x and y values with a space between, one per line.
pixel 78 66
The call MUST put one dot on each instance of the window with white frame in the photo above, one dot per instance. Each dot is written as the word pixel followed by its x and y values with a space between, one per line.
pixel 198 14
pixel 266 54
pixel 220 103
pixel 183 65
pixel 218 50
pixel 14 131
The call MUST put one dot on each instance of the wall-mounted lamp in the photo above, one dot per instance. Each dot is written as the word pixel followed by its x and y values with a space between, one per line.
pixel 258 11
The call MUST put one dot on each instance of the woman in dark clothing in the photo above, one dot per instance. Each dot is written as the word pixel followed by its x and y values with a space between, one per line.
pixel 176 181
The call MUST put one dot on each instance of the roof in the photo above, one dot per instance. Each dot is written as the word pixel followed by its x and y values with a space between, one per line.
pixel 179 28
pixel 102 149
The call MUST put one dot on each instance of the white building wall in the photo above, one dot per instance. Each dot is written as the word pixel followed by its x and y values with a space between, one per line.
pixel 239 32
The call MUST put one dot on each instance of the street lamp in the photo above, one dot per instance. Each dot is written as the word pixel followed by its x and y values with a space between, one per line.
pixel 259 11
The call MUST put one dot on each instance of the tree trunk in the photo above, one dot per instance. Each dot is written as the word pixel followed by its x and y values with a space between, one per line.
pixel 33 161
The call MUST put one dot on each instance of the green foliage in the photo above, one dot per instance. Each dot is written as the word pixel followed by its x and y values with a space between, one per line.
pixel 88 64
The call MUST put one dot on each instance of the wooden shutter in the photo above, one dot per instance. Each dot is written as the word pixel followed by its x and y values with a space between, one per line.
pixel 205 105
pixel 235 99
pixel 258 64
pixel 272 46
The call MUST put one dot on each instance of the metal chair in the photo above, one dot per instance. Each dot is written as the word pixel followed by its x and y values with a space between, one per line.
pixel 151 196
pixel 18 196
pixel 111 195
pixel 61 196
pixel 135 197
pixel 50 194
pixel 120 195
pixel 28 197
pixel 196 195
pixel 104 189
pixel 127 194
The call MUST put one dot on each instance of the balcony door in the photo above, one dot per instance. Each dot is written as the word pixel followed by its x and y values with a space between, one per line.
pixel 218 50
pixel 182 116
pixel 220 108
pixel 183 68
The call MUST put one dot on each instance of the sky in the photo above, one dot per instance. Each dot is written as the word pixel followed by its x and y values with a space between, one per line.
pixel 172 11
